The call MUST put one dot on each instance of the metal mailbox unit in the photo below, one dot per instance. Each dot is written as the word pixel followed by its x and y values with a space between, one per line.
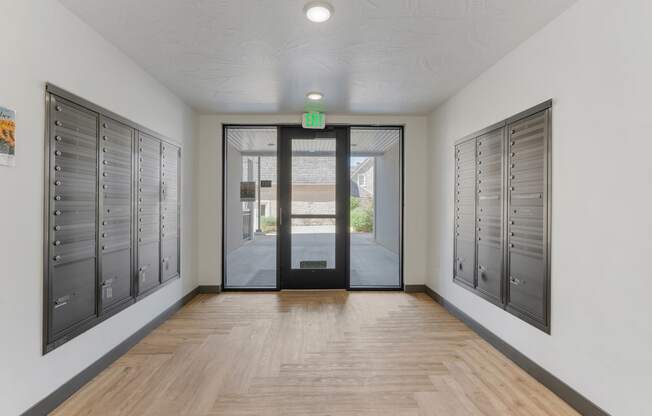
pixel 100 182
pixel 502 205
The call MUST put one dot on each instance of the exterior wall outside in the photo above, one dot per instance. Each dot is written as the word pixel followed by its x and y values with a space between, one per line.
pixel 363 176
pixel 210 195
pixel 387 207
pixel 47 43
pixel 595 62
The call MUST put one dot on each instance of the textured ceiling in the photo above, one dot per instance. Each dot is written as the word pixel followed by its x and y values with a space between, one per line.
pixel 259 56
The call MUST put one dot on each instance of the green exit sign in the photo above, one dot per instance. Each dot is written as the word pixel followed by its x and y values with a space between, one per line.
pixel 314 120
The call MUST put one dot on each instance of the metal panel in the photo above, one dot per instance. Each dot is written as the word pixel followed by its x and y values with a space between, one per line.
pixel 170 158
pixel 527 216
pixel 116 277
pixel 73 224
pixel 489 244
pixel 149 221
pixel 465 178
pixel 116 167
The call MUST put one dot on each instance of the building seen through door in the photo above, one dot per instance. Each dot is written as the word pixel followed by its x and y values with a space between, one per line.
pixel 312 209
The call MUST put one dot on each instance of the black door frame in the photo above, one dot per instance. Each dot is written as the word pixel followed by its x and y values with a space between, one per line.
pixel 226 126
pixel 337 278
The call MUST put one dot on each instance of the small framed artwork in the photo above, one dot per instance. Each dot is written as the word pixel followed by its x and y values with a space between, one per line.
pixel 7 137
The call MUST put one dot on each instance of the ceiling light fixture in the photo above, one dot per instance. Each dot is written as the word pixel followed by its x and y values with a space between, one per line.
pixel 315 96
pixel 318 11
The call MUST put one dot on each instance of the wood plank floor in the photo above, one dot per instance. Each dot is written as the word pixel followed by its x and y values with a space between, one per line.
pixel 317 354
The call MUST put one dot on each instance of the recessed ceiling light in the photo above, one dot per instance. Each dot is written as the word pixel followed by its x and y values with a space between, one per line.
pixel 315 96
pixel 318 11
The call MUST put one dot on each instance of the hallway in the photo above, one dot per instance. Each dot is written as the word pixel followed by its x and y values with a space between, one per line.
pixel 313 353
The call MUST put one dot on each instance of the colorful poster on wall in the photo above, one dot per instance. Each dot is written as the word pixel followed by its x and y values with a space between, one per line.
pixel 7 137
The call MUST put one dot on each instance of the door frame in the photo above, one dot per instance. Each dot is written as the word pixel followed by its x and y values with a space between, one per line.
pixel 226 126
pixel 337 277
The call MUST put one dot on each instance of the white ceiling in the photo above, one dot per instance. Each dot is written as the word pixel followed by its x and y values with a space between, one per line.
pixel 259 56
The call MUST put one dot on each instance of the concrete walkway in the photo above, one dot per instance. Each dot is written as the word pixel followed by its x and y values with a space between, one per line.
pixel 254 264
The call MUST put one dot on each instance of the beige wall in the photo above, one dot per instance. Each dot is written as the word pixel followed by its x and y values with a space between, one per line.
pixel 209 183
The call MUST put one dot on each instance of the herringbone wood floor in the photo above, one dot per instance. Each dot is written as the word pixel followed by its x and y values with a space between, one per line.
pixel 317 354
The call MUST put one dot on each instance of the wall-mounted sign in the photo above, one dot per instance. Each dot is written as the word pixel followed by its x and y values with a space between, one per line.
pixel 7 137
pixel 265 183
pixel 314 120
pixel 247 191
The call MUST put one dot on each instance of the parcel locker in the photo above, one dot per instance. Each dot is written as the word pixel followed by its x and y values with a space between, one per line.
pixel 71 289
pixel 465 176
pixel 527 216
pixel 116 199
pixel 170 164
pixel 489 214
pixel 149 210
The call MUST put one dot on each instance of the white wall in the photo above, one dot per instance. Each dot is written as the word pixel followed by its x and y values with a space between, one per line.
pixel 595 62
pixel 387 184
pixel 43 42
pixel 210 184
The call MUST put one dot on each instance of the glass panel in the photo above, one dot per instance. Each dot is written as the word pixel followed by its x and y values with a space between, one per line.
pixel 251 206
pixel 313 176
pixel 375 172
pixel 313 243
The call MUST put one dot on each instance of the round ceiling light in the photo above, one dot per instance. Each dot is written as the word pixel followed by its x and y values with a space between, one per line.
pixel 318 11
pixel 315 96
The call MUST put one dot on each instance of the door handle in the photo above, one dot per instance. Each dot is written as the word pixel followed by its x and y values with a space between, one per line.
pixel 280 216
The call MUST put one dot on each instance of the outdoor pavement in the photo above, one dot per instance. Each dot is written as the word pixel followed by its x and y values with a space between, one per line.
pixel 254 263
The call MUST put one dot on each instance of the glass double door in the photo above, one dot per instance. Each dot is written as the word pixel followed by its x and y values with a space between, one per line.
pixel 313 208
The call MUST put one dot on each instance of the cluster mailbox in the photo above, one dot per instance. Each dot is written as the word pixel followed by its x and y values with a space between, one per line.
pixel 111 215
pixel 502 214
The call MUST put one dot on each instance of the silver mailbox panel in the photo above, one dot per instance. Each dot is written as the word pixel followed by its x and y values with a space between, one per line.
pixel 527 217
pixel 149 210
pixel 489 213
pixel 170 164
pixel 72 216
pixel 116 202
pixel 465 174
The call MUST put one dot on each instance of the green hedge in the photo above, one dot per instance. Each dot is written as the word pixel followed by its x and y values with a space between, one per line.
pixel 362 220
pixel 268 224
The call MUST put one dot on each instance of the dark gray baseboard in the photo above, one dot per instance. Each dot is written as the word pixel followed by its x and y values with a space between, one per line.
pixel 414 288
pixel 561 389
pixel 54 399
pixel 210 289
